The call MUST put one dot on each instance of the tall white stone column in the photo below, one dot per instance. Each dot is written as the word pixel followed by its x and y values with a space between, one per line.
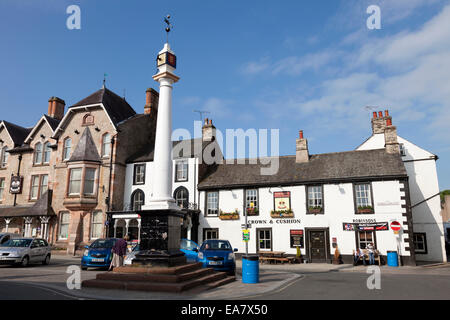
pixel 163 176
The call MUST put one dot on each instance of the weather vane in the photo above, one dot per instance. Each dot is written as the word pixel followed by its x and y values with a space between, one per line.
pixel 169 26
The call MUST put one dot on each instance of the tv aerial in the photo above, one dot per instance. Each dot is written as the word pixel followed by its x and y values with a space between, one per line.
pixel 201 112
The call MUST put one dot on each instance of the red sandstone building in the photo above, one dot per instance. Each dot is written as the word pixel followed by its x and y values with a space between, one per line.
pixel 59 178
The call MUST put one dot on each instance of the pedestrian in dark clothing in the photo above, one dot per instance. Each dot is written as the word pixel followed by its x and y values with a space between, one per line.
pixel 119 251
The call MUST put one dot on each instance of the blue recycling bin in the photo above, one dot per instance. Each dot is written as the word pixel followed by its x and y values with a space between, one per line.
pixel 392 259
pixel 250 269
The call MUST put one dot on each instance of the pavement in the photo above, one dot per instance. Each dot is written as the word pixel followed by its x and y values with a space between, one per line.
pixel 273 279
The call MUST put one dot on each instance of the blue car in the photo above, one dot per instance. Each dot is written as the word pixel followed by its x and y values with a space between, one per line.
pixel 190 249
pixel 217 254
pixel 98 254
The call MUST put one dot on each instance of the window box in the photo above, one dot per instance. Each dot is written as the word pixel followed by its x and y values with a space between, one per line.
pixel 367 209
pixel 252 211
pixel 282 213
pixel 229 215
pixel 315 210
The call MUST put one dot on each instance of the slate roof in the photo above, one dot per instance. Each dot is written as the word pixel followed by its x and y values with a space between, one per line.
pixel 85 149
pixel 52 122
pixel 189 148
pixel 42 207
pixel 322 168
pixel 116 107
pixel 17 133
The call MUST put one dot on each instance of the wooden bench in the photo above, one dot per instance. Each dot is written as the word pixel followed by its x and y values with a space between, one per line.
pixel 365 256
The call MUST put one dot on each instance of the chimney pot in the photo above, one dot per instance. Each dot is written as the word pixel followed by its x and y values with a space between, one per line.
pixel 388 122
pixel 380 114
pixel 56 108
pixel 301 134
pixel 151 100
pixel 374 114
pixel 386 113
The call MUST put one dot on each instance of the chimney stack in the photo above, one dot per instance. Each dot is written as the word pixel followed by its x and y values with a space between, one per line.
pixel 56 108
pixel 151 100
pixel 390 136
pixel 302 153
pixel 208 130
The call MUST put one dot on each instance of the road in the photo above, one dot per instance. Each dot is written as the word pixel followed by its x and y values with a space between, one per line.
pixel 49 282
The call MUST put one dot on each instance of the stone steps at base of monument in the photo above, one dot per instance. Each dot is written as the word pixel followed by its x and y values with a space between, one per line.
pixel 154 286
pixel 160 270
pixel 168 278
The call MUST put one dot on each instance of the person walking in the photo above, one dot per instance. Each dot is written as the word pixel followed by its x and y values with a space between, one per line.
pixel 371 249
pixel 119 251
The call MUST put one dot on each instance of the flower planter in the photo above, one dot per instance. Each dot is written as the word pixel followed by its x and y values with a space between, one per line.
pixel 368 210
pixel 229 217
pixel 315 210
pixel 252 212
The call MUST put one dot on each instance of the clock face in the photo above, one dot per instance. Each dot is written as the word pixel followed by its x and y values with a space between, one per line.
pixel 161 59
pixel 168 58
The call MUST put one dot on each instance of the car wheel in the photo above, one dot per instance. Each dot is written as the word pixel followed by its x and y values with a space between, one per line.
pixel 84 268
pixel 46 260
pixel 25 262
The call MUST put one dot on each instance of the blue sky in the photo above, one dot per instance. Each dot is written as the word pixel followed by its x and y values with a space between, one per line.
pixel 287 65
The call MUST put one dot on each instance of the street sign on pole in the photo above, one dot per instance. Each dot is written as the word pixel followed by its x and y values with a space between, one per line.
pixel 396 227
pixel 246 235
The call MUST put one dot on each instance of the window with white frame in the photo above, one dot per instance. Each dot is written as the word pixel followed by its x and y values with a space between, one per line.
pixel 47 153
pixel 67 148
pixel 251 201
pixel 137 200
pixel 106 145
pixel 2 188
pixel 39 185
pixel 97 225
pixel 139 174
pixel 89 181
pixel 75 181
pixel 363 197
pixel 38 153
pixel 315 199
pixel 182 197
pixel 43 185
pixel 4 157
pixel 210 233
pixel 420 243
pixel 64 222
pixel 365 238
pixel 212 203
pixel 181 171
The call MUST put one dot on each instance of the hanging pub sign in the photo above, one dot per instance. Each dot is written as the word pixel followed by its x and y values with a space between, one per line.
pixel 296 238
pixel 16 185
pixel 377 226
pixel 282 201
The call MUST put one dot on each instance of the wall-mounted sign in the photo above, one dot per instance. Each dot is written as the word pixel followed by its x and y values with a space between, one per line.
pixel 296 238
pixel 282 200
pixel 16 185
pixel 246 235
pixel 377 226
pixel 274 221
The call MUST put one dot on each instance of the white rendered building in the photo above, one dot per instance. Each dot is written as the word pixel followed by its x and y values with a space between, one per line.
pixel 420 164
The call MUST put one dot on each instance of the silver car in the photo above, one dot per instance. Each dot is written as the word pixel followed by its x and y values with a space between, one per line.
pixel 24 251
pixel 5 236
